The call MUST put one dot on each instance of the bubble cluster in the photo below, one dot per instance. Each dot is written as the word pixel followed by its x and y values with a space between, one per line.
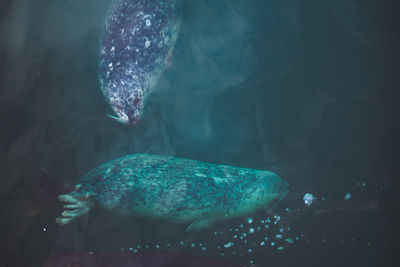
pixel 253 237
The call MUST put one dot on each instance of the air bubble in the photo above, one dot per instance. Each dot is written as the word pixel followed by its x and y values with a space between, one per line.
pixel 289 240
pixel 229 244
pixel 277 218
pixel 308 199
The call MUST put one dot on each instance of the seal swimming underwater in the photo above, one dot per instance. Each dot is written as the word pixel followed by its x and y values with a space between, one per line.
pixel 137 42
pixel 175 189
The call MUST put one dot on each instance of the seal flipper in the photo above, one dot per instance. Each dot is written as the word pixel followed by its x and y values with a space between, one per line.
pixel 76 206
pixel 199 224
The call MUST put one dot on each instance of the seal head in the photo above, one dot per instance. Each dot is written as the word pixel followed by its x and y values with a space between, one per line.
pixel 137 41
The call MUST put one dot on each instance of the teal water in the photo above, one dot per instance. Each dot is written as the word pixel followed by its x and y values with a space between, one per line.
pixel 306 89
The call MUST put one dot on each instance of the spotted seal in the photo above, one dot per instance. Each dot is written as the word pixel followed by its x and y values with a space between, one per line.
pixel 175 189
pixel 137 42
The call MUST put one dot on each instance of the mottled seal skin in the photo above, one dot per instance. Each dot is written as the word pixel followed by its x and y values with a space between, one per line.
pixel 137 42
pixel 175 189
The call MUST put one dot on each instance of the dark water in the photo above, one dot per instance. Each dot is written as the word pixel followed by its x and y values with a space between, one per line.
pixel 307 89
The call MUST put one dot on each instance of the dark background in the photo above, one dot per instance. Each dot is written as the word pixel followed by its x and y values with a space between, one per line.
pixel 308 89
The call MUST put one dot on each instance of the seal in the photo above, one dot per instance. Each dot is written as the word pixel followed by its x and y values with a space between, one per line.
pixel 136 45
pixel 178 190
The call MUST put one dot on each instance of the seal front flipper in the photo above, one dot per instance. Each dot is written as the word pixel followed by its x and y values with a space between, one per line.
pixel 199 224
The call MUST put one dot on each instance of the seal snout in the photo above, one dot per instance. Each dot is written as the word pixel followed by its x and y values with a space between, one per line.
pixel 127 113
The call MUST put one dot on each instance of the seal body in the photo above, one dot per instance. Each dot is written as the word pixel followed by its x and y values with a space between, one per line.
pixel 137 42
pixel 175 189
